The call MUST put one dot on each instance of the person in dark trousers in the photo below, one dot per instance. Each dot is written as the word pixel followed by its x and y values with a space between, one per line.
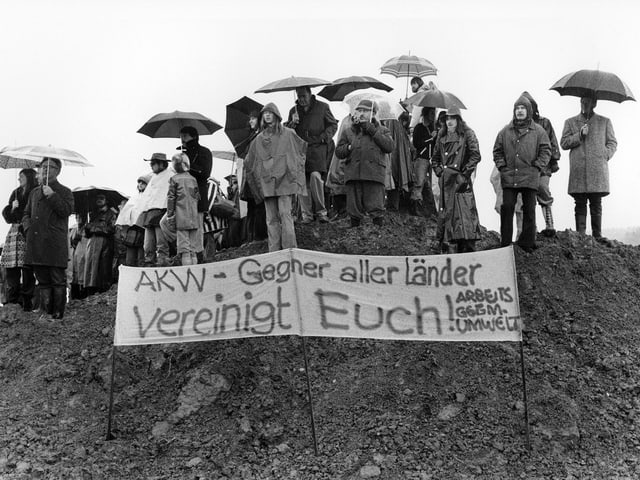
pixel 201 162
pixel 313 121
pixel 46 223
pixel 255 223
pixel 424 137
pixel 521 151
pixel 99 256
pixel 592 143
pixel 20 280
pixel 363 146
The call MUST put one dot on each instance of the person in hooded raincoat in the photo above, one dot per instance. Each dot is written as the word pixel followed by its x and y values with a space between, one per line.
pixel 275 173
pixel 521 151
pixel 454 162
pixel 592 142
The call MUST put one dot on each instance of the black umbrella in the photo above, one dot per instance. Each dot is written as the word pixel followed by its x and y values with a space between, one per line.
pixel 594 83
pixel 84 198
pixel 168 125
pixel 236 125
pixel 344 86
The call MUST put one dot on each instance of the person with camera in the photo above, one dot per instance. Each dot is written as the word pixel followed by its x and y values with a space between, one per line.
pixel 313 121
pixel 363 146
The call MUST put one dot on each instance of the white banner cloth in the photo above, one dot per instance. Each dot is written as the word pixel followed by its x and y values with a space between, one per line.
pixel 463 297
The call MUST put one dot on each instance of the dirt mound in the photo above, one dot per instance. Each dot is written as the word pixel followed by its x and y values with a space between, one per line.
pixel 388 410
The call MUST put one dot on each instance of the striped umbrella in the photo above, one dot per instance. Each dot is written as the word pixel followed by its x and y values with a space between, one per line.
pixel 408 66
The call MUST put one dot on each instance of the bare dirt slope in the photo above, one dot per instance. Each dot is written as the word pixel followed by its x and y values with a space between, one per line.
pixel 387 410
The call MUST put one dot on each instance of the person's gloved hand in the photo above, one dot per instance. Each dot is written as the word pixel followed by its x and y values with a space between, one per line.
pixel 369 128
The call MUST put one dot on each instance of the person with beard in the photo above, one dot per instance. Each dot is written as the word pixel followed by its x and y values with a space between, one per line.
pixel 592 143
pixel 201 161
pixel 99 231
pixel 455 158
pixel 363 147
pixel 521 151
pixel 315 124
pixel 46 224
pixel 275 172
pixel 20 280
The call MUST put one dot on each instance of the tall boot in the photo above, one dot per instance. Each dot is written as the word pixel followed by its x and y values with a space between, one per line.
pixel 596 226
pixel 581 223
pixel 59 302
pixel 46 301
pixel 549 230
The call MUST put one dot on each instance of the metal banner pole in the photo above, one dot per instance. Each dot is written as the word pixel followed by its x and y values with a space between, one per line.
pixel 113 373
pixel 524 394
pixel 313 421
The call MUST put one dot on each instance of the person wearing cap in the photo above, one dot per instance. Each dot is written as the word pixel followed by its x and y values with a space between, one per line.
pixel 363 147
pixel 201 161
pixel 455 158
pixel 180 223
pixel 424 139
pixel 99 230
pixel 274 170
pixel 45 222
pixel 521 152
pixel 315 124
pixel 132 236
pixel 153 205
pixel 592 142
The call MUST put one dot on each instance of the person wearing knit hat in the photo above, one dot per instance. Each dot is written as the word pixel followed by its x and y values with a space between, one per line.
pixel 363 147
pixel 274 171
pixel 455 158
pixel 521 151
pixel 592 143
pixel 313 121
pixel 544 193
pixel 45 222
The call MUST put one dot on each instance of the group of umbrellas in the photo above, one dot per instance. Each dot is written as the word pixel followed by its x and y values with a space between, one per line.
pixel 595 83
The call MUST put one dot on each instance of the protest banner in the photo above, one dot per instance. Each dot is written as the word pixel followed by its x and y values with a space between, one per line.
pixel 463 297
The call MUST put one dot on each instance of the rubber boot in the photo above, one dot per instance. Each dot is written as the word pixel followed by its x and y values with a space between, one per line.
pixel 194 259
pixel 46 301
pixel 596 226
pixel 581 223
pixel 186 259
pixel 549 230
pixel 59 302
pixel 378 221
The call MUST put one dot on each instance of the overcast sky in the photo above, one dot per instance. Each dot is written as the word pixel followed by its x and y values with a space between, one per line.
pixel 86 75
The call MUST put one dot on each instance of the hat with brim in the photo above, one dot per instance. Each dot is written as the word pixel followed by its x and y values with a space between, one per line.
pixel 157 157
pixel 454 111
pixel 368 105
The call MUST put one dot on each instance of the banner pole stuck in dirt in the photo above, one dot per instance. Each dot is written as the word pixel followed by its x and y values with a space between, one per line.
pixel 464 297
pixel 470 297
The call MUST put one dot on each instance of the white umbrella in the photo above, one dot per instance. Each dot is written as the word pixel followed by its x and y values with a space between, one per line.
pixel 33 155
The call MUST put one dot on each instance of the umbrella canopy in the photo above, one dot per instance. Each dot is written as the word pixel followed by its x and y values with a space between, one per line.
pixel 84 198
pixel 408 66
pixel 168 125
pixel 435 98
pixel 388 109
pixel 31 155
pixel 291 83
pixel 589 83
pixel 224 155
pixel 236 125
pixel 343 86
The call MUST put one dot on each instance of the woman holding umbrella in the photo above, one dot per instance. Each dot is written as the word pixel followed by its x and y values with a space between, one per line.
pixel 18 290
pixel 454 161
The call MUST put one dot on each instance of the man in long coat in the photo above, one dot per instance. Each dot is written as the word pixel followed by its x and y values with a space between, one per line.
pixel 99 255
pixel 315 124
pixel 592 142
pixel 46 223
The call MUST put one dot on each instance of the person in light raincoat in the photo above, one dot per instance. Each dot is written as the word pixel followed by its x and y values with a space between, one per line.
pixel 275 173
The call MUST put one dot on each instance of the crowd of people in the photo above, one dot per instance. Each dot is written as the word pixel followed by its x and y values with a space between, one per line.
pixel 299 170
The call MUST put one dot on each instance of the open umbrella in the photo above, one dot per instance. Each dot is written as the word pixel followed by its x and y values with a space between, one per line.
pixel 84 198
pixel 236 126
pixel 586 83
pixel 32 155
pixel 291 83
pixel 343 86
pixel 408 66
pixel 435 98
pixel 388 109
pixel 168 125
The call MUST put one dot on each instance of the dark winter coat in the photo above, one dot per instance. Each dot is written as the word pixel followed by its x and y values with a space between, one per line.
pixel 15 216
pixel 552 166
pixel 317 126
pixel 589 157
pixel 46 225
pixel 520 154
pixel 363 147
pixel 201 161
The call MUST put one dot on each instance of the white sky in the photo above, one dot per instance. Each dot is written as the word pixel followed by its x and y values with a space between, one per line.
pixel 86 75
